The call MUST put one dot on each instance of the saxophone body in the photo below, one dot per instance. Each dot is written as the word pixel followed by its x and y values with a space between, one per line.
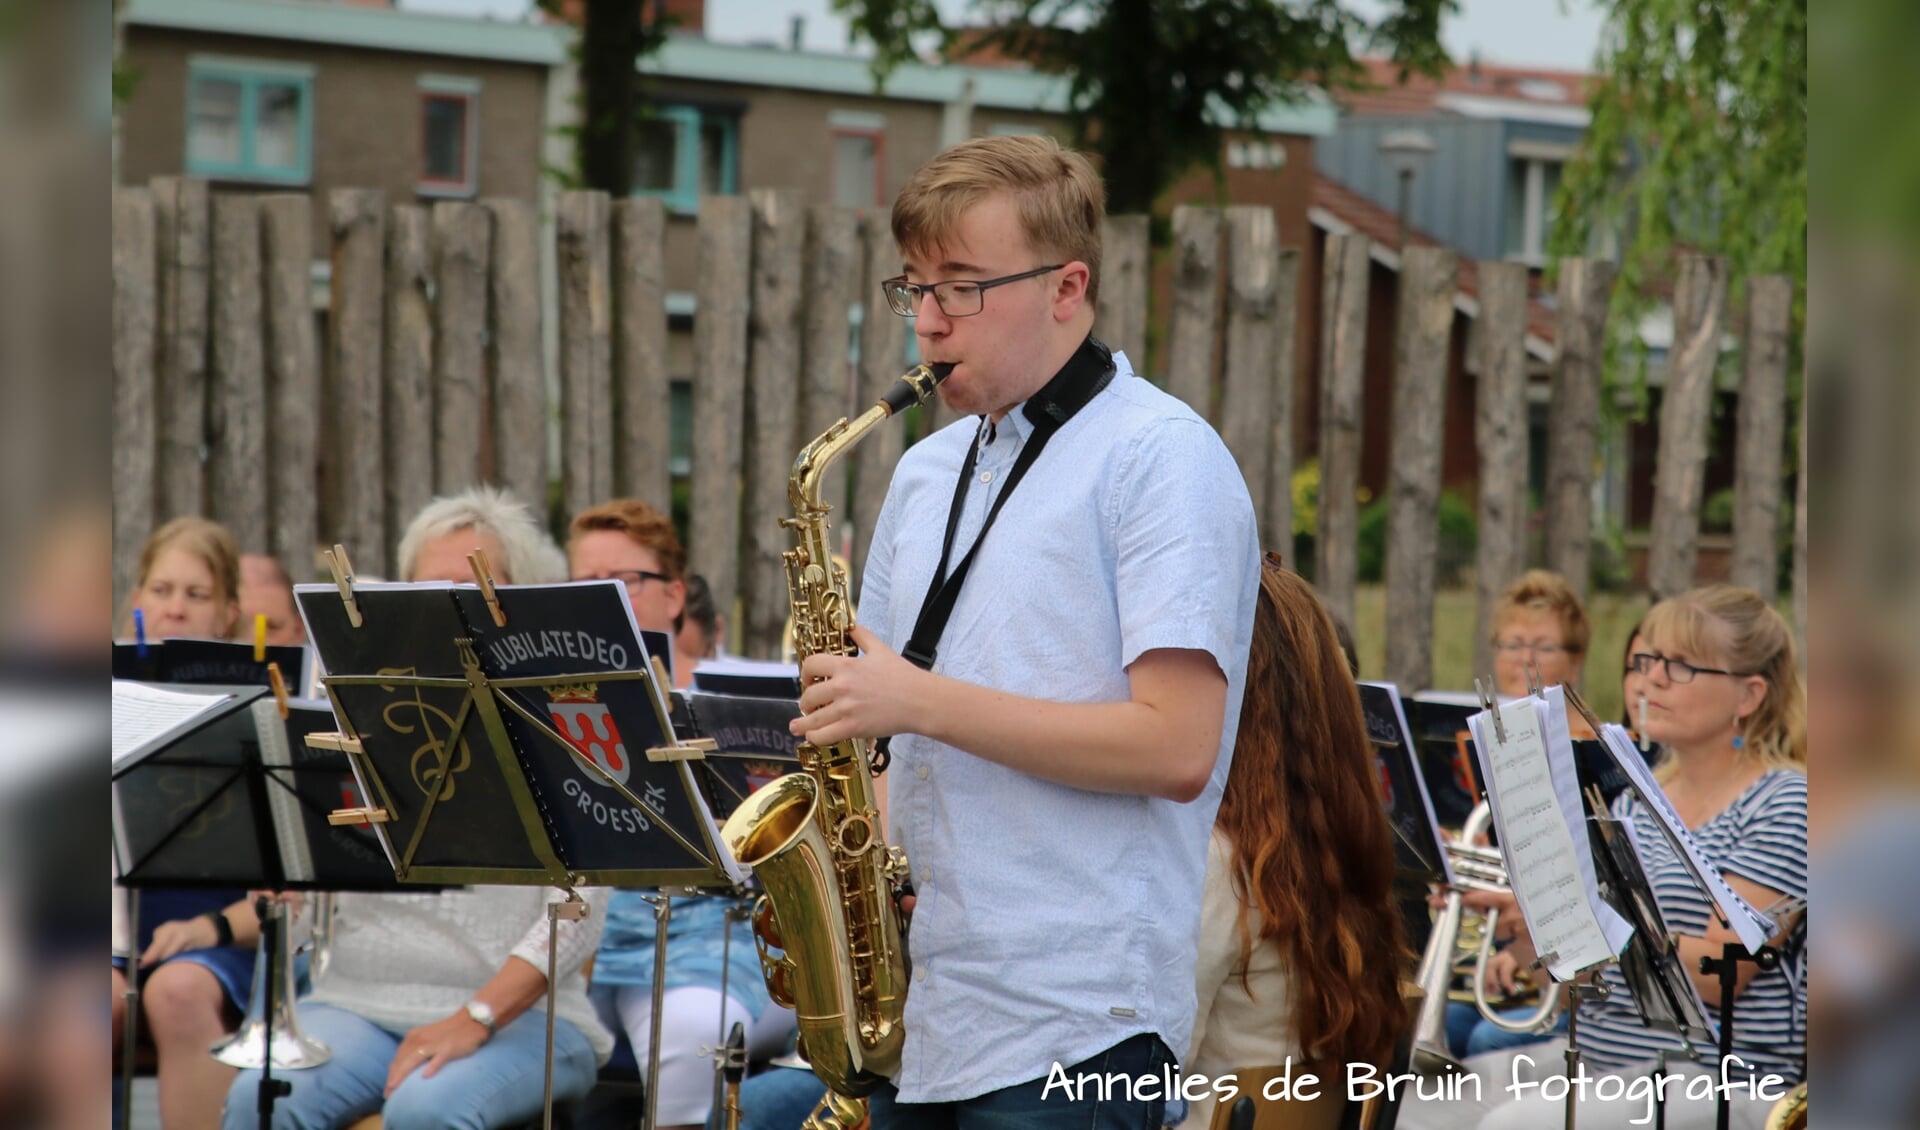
pixel 814 837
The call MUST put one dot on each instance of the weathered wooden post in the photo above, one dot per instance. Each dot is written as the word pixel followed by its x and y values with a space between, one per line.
pixel 1420 359
pixel 1500 436
pixel 1343 348
pixel 1686 408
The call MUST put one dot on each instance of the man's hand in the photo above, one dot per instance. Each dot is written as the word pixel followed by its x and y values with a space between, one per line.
pixel 865 696
pixel 432 1046
pixel 179 936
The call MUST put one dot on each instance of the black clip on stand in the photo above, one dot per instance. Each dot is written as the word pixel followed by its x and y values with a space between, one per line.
pixel 1727 968
pixel 271 1090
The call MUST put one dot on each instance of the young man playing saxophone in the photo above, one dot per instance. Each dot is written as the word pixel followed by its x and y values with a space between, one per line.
pixel 1056 770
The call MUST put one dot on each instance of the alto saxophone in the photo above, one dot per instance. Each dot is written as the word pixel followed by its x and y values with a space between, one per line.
pixel 814 837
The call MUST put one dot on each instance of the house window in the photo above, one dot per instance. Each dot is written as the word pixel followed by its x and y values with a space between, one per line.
pixel 449 136
pixel 1532 184
pixel 249 120
pixel 856 168
pixel 684 153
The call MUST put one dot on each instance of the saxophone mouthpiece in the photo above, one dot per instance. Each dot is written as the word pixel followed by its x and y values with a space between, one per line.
pixel 915 386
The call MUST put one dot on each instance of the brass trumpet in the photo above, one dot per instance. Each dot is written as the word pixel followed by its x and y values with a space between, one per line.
pixel 1480 868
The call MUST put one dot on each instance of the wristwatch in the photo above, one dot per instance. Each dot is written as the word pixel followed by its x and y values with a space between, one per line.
pixel 482 1014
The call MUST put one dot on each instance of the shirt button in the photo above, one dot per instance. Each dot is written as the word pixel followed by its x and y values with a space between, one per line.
pixel 920 973
pixel 986 476
pixel 926 874
pixel 923 771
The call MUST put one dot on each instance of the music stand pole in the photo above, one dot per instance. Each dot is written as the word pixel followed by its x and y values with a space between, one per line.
pixel 575 908
pixel 662 915
pixel 130 1015
pixel 272 921
pixel 1727 968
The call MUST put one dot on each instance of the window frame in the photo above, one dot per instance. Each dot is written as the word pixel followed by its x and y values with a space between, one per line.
pixel 837 131
pixel 450 89
pixel 689 122
pixel 251 75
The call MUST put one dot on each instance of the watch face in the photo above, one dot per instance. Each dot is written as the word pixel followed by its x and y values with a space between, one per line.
pixel 481 1013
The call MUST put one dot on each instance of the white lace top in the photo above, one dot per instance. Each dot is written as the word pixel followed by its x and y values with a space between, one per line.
pixel 406 960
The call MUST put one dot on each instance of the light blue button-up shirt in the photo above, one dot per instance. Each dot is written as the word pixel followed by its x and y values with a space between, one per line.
pixel 1054 922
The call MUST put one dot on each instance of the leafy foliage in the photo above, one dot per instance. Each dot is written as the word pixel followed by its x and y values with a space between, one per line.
pixel 1155 82
pixel 1698 141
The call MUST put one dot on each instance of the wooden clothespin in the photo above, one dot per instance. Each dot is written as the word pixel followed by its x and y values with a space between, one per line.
pixel 483 575
pixel 342 570
pixel 1491 704
pixel 279 686
pixel 260 637
pixel 1535 686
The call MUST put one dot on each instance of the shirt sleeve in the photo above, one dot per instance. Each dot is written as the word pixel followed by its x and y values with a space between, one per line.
pixel 1772 848
pixel 1188 554
pixel 1219 939
pixel 579 938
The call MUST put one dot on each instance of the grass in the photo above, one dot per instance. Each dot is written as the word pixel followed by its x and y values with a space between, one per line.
pixel 1613 616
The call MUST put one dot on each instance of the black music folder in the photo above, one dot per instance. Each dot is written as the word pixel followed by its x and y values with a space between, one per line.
pixel 534 750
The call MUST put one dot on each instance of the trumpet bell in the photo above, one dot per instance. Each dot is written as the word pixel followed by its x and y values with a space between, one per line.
pixel 279 1028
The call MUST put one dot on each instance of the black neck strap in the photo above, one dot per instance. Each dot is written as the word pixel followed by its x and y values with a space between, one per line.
pixel 1078 381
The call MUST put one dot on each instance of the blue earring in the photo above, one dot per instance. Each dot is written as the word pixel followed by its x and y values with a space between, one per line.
pixel 1739 739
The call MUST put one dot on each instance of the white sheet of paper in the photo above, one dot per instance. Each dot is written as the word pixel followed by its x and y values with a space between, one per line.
pixel 1751 926
pixel 1556 895
pixel 143 713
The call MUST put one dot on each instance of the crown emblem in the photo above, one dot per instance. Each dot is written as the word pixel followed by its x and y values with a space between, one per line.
pixel 573 692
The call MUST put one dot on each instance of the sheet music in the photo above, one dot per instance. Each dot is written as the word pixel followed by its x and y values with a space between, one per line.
pixel 144 714
pixel 1751 926
pixel 296 861
pixel 1550 868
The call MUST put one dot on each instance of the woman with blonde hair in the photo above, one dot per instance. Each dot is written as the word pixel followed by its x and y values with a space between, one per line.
pixel 197 956
pixel 188 583
pixel 1724 699
pixel 1301 943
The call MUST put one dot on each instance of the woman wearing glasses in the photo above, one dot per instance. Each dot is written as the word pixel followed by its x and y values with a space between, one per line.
pixel 1725 700
pixel 628 540
pixel 1540 621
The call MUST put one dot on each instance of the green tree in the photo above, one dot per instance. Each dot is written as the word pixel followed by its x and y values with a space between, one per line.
pixel 1698 140
pixel 614 36
pixel 1155 82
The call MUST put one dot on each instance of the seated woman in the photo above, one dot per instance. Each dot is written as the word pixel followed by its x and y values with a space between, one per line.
pixel 434 1004
pixel 1301 945
pixel 628 540
pixel 195 948
pixel 1724 698
pixel 1540 621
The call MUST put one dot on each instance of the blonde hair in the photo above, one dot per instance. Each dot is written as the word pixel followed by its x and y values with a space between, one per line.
pixel 1736 626
pixel 1545 591
pixel 208 541
pixel 1061 201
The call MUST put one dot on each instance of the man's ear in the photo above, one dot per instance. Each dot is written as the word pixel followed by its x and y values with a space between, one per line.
pixel 1070 291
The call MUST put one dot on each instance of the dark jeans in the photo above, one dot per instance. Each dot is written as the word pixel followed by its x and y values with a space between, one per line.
pixel 1035 1106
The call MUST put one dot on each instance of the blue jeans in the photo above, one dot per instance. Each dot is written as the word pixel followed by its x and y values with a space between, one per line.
pixel 1469 1034
pixel 1033 1106
pixel 499 1085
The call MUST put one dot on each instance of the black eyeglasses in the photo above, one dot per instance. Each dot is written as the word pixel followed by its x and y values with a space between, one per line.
pixel 632 578
pixel 957 298
pixel 1678 670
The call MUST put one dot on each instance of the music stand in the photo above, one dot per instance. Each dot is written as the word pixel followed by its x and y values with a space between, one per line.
pixel 472 710
pixel 204 796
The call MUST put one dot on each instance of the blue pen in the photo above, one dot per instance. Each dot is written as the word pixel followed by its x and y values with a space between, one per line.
pixel 139 633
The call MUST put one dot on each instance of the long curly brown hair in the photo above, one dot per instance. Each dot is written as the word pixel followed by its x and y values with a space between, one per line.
pixel 1312 852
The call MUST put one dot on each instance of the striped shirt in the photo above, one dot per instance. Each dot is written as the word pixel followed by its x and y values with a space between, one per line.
pixel 1761 836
